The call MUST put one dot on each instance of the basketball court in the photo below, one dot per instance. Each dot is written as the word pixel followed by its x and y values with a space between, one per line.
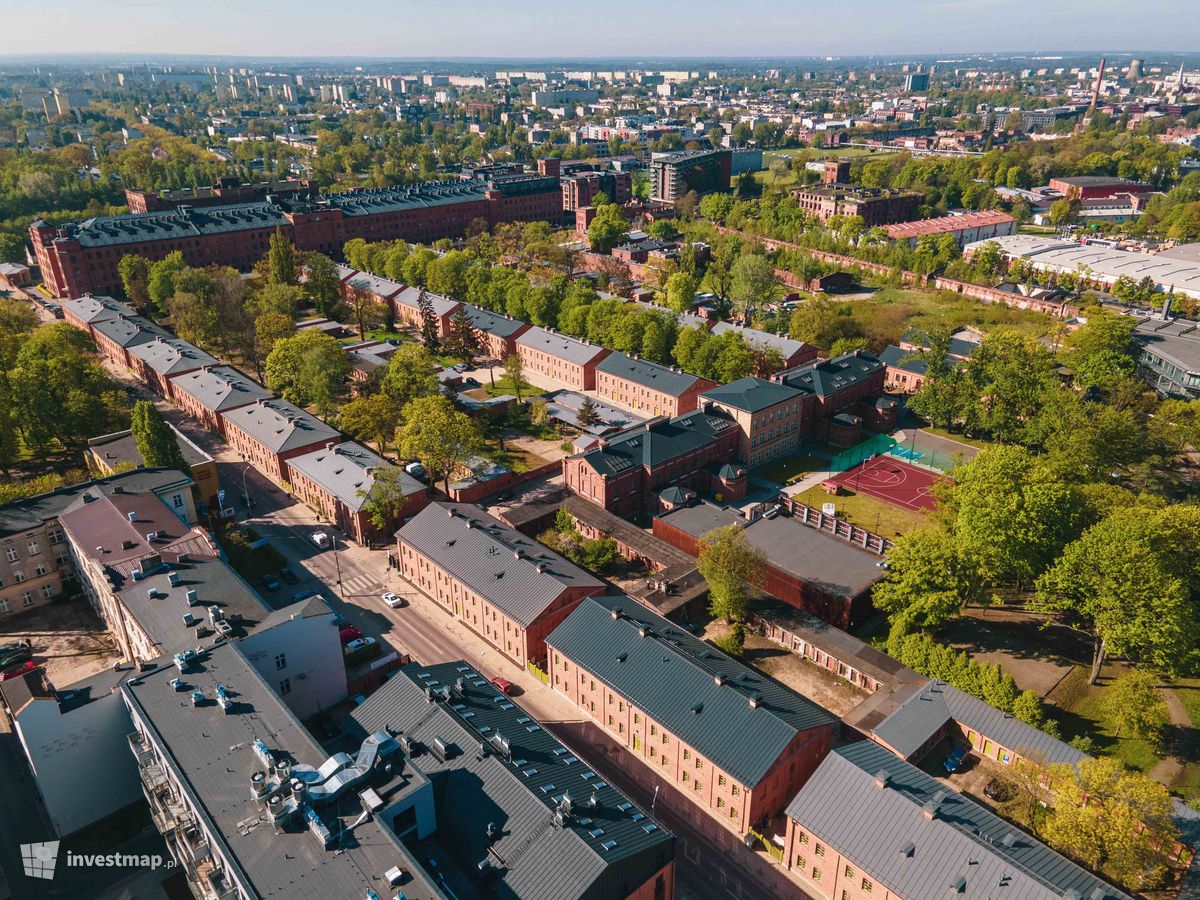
pixel 893 481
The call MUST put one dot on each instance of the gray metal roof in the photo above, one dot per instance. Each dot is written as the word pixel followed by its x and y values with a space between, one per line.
pixel 175 224
pixel 784 344
pixel 411 296
pixel 517 790
pixel 514 572
pixel 121 447
pixel 220 388
pixel 30 512
pixel 211 752
pixel 880 823
pixel 835 566
pixel 347 471
pixel 493 323
pixel 170 355
pixel 381 287
pixel 279 425
pixel 648 374
pixel 560 346
pixel 97 309
pixel 671 675
pixel 129 331
pixel 751 394
pixel 925 708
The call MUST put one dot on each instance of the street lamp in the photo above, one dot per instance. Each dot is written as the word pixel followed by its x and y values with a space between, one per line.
pixel 246 490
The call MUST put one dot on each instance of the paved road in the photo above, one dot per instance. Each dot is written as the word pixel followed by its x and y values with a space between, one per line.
pixel 711 863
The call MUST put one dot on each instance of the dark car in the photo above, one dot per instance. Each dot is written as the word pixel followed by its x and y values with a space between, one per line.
pixel 12 655
pixel 954 760
pixel 288 576
pixel 1000 790
pixel 270 582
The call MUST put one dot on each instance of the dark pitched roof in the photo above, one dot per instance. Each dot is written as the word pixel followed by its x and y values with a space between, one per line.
pixel 170 355
pixel 560 346
pixel 647 374
pixel 873 808
pixel 516 573
pixel 121 447
pixel 832 375
pixel 671 675
pixel 518 789
pixel 751 394
pixel 658 442
pixel 348 472
pixel 493 323
pixel 899 358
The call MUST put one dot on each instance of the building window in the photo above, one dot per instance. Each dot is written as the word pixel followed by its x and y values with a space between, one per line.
pixel 720 803
pixel 736 791
pixel 11 552
pixel 39 569
pixel 285 686
pixel 867 885
pixel 687 754
pixel 721 781
pixel 47 591
pixel 733 812
pixel 849 871
pixel 177 500
pixel 27 598
pixel 34 548
pixel 816 874
pixel 18 576
pixel 820 850
pixel 281 661
pixel 686 777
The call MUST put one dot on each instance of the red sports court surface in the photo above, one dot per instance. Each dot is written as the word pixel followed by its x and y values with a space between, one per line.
pixel 892 480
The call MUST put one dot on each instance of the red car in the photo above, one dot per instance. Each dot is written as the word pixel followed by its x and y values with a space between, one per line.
pixel 17 671
pixel 349 633
pixel 503 684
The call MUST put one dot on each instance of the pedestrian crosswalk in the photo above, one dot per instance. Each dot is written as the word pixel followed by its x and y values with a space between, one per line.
pixel 360 585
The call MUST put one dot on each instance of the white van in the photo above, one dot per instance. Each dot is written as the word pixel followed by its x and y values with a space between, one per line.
pixel 321 539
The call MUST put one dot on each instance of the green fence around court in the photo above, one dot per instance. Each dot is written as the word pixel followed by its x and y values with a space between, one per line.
pixel 883 443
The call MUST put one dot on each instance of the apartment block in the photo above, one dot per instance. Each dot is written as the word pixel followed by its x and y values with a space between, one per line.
pixel 648 388
pixel 562 358
pixel 506 587
pixel 270 432
pixel 735 743
pixel 772 418
pixel 157 362
pixel 209 392
pixel 876 206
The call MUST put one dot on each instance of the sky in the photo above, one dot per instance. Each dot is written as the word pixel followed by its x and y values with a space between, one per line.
pixel 570 29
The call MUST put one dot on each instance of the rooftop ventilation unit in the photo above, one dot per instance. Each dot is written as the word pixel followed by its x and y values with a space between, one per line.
pixel 173 579
pixel 177 684
pixel 408 745
pixel 193 598
pixel 881 778
pixel 440 749
pixel 224 700
pixel 197 697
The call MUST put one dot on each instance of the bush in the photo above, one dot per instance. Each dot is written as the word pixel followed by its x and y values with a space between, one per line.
pixel 733 643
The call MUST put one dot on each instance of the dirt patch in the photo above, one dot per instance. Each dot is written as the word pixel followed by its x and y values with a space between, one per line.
pixel 68 639
pixel 1037 657
pixel 790 669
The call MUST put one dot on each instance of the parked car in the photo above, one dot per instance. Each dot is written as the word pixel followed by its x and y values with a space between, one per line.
pixel 13 653
pixel 1000 790
pixel 349 633
pixel 503 685
pixel 395 601
pixel 18 670
pixel 270 582
pixel 415 469
pixel 359 644
pixel 288 576
pixel 470 382
pixel 954 760
pixel 322 540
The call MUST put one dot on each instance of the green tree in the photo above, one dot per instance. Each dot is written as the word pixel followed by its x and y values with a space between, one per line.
pixel 1127 582
pixel 514 371
pixel 1102 349
pixel 681 291
pixel 608 228
pixel 752 284
pixel 587 416
pixel 1063 212
pixel 135 279
pixel 462 339
pixel 281 259
pixel 371 417
pixel 365 311
pixel 160 282
pixel 156 442
pixel 323 285
pixel 410 375
pixel 309 367
pixel 385 497
pixel 1135 706
pixel 727 561
pixel 926 582
pixel 439 436
pixel 429 322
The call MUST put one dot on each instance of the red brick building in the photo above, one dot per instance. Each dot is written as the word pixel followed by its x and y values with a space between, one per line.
pixel 506 587
pixel 876 206
pixel 82 257
pixel 1088 187
pixel 267 433
pixel 560 357
pixel 157 362
pixel 580 189
pixel 227 190
pixel 213 390
pixel 336 482
pixel 624 474
pixel 647 387
pixel 736 744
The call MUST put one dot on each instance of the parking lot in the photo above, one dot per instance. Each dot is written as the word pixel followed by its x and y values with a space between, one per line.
pixel 67 638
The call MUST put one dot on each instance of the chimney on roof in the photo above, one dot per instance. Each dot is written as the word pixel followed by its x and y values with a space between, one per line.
pixel 616 612
pixel 329 446
pixel 881 779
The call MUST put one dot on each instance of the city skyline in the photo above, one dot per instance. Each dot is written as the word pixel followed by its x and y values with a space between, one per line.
pixel 671 28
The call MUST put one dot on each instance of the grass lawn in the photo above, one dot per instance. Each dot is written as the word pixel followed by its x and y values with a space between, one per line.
pixel 382 334
pixel 504 385
pixel 792 469
pixel 1079 704
pixel 891 311
pixel 867 512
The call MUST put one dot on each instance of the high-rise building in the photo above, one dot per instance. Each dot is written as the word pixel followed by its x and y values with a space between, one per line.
pixel 704 171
